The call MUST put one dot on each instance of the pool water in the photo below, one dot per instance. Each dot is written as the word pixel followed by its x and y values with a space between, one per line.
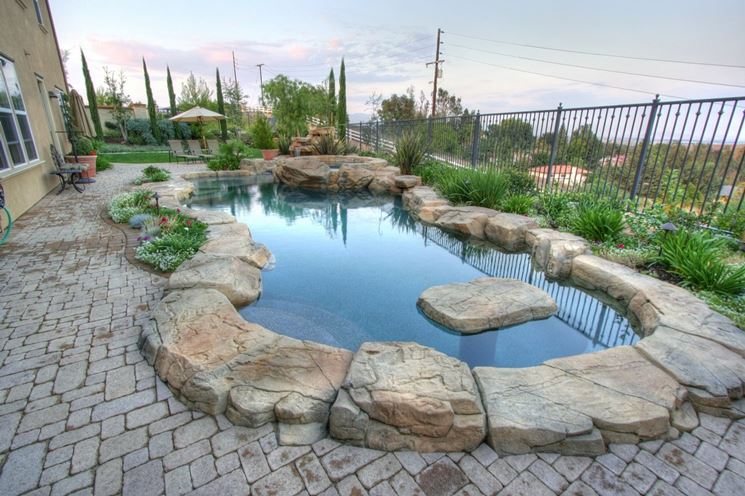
pixel 350 267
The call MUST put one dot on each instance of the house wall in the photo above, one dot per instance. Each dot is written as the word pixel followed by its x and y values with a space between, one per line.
pixel 33 49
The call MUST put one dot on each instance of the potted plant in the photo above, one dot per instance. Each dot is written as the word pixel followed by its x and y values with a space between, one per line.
pixel 263 138
pixel 84 152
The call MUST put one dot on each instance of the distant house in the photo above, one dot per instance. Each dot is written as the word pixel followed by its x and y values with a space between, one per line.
pixel 565 176
pixel 137 111
pixel 31 74
pixel 613 160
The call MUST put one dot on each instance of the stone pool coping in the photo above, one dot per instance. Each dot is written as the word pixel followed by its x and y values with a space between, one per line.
pixel 691 359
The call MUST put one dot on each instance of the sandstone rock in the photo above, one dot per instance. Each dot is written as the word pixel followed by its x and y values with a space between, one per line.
pixel 257 165
pixel 354 177
pixel 235 239
pixel 544 407
pixel 407 181
pixel 419 198
pixel 508 230
pixel 211 217
pixel 301 172
pixel 407 396
pixel 713 374
pixel 553 251
pixel 485 303
pixel 219 363
pixel 465 220
pixel 234 278
pixel 685 418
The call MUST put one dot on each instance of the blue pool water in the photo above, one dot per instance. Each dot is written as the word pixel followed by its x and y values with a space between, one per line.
pixel 349 269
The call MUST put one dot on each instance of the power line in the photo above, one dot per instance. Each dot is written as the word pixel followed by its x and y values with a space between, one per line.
pixel 567 79
pixel 600 54
pixel 671 78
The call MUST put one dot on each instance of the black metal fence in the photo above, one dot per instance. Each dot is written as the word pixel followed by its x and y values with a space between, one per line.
pixel 684 153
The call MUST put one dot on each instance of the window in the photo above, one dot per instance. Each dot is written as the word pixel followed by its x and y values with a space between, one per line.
pixel 39 17
pixel 16 141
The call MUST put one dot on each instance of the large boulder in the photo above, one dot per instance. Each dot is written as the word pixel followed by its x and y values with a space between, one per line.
pixel 305 172
pixel 354 177
pixel 407 181
pixel 508 230
pixel 485 303
pixel 236 279
pixel 574 405
pixel 235 239
pixel 404 396
pixel 257 165
pixel 553 251
pixel 422 202
pixel 465 220
pixel 219 363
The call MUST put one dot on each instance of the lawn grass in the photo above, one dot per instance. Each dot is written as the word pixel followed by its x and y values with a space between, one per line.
pixel 155 157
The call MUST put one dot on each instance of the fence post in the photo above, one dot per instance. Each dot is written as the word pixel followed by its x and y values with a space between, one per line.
pixel 377 136
pixel 554 146
pixel 475 140
pixel 645 147
pixel 360 136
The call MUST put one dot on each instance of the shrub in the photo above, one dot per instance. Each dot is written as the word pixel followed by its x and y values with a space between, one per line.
pixel 155 174
pixel 112 126
pixel 518 204
pixel 102 163
pixel 167 131
pixel 328 145
pixel 410 151
pixel 175 240
pixel 125 205
pixel 732 221
pixel 139 132
pixel 598 222
pixel 83 146
pixel 229 156
pixel 519 182
pixel 283 143
pixel 555 208
pixel 262 135
pixel 696 258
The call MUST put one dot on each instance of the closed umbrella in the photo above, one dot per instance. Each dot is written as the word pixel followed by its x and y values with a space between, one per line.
pixel 199 115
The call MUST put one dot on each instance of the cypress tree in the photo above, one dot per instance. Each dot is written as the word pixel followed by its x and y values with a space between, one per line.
pixel 172 102
pixel 332 98
pixel 221 107
pixel 151 110
pixel 341 107
pixel 91 93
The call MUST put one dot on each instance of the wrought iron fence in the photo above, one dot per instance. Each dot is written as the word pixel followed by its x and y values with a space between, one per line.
pixel 686 153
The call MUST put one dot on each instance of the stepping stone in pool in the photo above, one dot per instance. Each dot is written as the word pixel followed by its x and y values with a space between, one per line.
pixel 486 303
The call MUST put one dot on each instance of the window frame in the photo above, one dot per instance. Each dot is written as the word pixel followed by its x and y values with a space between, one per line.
pixel 39 12
pixel 13 112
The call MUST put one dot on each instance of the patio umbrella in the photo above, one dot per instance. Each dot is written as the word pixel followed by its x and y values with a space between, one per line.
pixel 199 115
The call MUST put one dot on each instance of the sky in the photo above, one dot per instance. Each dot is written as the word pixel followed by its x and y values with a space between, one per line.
pixel 386 45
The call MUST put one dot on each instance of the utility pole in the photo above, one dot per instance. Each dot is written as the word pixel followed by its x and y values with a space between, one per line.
pixel 235 74
pixel 436 63
pixel 261 84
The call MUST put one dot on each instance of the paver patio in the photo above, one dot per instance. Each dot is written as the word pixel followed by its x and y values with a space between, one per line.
pixel 81 412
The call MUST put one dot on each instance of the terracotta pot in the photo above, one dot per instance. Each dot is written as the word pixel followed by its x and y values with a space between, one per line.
pixel 270 154
pixel 90 160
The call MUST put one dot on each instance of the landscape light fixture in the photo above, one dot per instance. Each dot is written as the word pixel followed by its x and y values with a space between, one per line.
pixel 156 197
pixel 667 227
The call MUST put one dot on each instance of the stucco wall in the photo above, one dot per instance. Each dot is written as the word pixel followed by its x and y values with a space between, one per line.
pixel 33 50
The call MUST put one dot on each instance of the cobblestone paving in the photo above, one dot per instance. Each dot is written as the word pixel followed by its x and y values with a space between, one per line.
pixel 82 413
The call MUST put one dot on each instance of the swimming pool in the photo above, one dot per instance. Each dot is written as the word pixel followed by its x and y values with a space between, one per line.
pixel 350 267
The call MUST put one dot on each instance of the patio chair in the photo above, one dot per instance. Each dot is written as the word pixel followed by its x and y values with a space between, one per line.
pixel 176 148
pixel 213 148
pixel 69 173
pixel 194 149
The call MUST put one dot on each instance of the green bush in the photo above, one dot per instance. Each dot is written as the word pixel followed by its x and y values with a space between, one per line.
pixel 556 208
pixel 598 222
pixel 178 239
pixel 140 133
pixel 262 135
pixel 125 205
pixel 518 204
pixel 229 156
pixel 411 149
pixel 283 143
pixel 102 163
pixel 328 145
pixel 732 221
pixel 695 256
pixel 519 182
pixel 155 174
pixel 83 146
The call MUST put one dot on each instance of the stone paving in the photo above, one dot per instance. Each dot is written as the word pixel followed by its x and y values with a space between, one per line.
pixel 81 412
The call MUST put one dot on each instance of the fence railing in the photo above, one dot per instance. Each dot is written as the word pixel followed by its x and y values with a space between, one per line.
pixel 686 153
